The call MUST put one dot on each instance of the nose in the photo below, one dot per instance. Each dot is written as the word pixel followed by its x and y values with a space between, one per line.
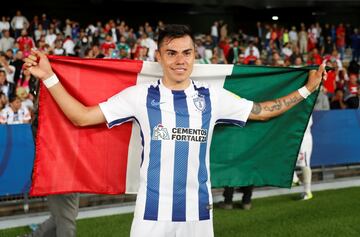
pixel 180 59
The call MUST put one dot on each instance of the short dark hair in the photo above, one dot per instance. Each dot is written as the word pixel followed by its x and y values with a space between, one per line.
pixel 13 98
pixel 174 31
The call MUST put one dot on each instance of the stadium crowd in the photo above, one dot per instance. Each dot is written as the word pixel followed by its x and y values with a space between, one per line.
pixel 270 44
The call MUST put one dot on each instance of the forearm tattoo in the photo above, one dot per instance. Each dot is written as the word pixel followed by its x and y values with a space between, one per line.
pixel 276 105
pixel 256 109
pixel 292 101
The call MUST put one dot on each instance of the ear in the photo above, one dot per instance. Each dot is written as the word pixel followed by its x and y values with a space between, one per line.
pixel 157 55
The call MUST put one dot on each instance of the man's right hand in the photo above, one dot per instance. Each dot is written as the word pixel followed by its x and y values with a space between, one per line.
pixel 38 64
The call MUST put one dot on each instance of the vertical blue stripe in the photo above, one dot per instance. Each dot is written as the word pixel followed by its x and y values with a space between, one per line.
pixel 204 213
pixel 181 159
pixel 153 174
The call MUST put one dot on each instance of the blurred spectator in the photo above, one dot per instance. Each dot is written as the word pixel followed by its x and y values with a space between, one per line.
pixel 314 57
pixel 69 46
pixel 214 32
pixel 59 50
pixel 149 43
pixel 4 85
pixel 50 37
pixel 303 39
pixel 351 88
pixel 251 46
pixel 15 113
pixel 25 41
pixel 25 99
pixel 286 50
pixel 234 52
pixel 3 100
pixel 18 23
pixel 4 25
pixel 337 101
pixel 293 36
pixel 352 101
pixel 251 58
pixel 322 101
pixel 9 70
pixel 340 40
pixel 218 53
pixel 107 45
pixel 328 46
pixel 6 42
pixel 18 64
pixel 355 45
pixel 330 82
pixel 45 22
pixel 124 48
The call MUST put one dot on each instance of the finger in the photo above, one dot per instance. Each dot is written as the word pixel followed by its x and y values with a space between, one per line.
pixel 38 54
pixel 29 62
pixel 321 69
pixel 32 57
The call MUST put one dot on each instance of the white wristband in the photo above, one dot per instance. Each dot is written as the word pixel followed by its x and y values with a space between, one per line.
pixel 51 81
pixel 304 92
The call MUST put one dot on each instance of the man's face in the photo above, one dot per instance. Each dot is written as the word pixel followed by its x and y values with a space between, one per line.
pixel 176 56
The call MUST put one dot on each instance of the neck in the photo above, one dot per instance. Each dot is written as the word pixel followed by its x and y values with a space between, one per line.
pixel 175 85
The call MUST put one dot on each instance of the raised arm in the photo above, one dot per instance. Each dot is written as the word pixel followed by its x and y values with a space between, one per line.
pixel 269 109
pixel 80 115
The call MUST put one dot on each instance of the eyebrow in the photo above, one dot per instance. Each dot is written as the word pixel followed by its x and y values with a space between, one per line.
pixel 174 51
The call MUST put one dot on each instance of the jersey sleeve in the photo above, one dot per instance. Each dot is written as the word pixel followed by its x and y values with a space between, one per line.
pixel 232 109
pixel 120 108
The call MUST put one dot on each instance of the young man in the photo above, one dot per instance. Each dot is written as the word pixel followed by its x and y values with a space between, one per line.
pixel 177 117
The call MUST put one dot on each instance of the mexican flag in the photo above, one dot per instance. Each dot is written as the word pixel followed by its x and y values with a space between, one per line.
pixel 96 159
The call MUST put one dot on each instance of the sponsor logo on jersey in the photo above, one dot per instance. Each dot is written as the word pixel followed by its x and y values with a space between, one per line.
pixel 179 134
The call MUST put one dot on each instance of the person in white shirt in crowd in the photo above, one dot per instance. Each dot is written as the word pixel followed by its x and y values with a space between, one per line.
pixel 18 23
pixel 6 41
pixel 15 113
pixel 251 46
pixel 9 70
pixel 50 37
pixel 150 44
pixel 69 46
pixel 4 24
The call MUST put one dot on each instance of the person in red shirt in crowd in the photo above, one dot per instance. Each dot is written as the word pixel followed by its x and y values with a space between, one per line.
pixel 25 42
pixel 352 86
pixel 107 45
pixel 225 46
pixel 340 40
pixel 314 57
pixel 251 58
pixel 330 82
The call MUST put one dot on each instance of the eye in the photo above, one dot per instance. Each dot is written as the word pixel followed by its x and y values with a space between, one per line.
pixel 187 53
pixel 171 53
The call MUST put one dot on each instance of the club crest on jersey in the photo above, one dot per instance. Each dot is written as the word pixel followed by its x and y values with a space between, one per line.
pixel 200 103
pixel 160 133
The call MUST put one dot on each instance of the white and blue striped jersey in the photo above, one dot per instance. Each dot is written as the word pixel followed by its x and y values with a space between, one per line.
pixel 176 130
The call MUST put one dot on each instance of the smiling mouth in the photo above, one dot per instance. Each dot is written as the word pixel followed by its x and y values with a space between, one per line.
pixel 179 69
